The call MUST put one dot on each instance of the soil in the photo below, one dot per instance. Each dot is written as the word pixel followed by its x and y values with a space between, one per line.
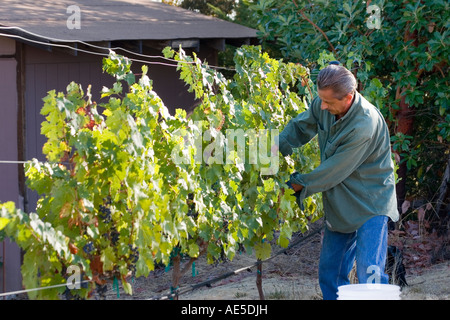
pixel 292 275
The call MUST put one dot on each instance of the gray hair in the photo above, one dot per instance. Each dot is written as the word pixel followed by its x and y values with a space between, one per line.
pixel 337 78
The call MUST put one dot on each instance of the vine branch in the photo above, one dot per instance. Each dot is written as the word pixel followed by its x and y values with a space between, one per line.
pixel 316 26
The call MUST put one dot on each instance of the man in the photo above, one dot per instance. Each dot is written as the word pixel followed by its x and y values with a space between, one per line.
pixel 356 178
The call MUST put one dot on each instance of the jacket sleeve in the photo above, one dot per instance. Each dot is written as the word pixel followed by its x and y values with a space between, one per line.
pixel 299 130
pixel 345 160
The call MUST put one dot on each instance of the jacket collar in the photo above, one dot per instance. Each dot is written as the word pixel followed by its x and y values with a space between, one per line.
pixel 352 110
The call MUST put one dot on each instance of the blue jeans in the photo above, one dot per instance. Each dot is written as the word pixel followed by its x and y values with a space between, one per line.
pixel 368 245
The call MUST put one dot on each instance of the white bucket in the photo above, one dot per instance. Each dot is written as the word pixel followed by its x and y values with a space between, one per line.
pixel 369 291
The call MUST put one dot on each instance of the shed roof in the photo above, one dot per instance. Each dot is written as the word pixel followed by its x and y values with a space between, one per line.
pixel 110 20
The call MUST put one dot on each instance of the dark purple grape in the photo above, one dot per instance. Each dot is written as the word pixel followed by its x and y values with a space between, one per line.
pixel 105 214
pixel 88 247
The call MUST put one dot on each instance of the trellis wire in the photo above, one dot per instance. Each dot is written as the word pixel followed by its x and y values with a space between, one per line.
pixel 175 64
pixel 11 293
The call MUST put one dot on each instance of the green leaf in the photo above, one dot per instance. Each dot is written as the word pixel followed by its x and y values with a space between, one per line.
pixel 127 287
pixel 283 241
pixel 108 258
pixel 263 250
pixel 193 250
pixel 168 52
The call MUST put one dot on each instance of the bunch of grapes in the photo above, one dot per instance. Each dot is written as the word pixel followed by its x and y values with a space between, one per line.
pixel 70 295
pixel 101 290
pixel 191 205
pixel 133 258
pixel 105 214
pixel 225 226
pixel 114 236
pixel 105 211
pixel 74 294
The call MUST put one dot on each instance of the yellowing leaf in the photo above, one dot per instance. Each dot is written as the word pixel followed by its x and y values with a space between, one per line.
pixel 193 250
pixel 3 222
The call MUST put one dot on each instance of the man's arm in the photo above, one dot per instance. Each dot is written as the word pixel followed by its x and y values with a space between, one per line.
pixel 346 159
pixel 299 130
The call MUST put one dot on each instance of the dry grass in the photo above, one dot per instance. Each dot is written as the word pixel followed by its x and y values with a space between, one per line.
pixel 290 276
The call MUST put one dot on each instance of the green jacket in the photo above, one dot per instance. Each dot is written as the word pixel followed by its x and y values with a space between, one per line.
pixel 356 174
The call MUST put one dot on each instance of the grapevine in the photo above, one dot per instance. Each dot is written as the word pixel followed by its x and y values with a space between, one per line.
pixel 132 186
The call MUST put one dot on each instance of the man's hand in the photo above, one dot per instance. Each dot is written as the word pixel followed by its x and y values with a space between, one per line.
pixel 297 187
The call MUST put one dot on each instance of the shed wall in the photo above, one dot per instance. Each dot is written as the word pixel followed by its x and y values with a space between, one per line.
pixel 40 71
pixel 45 71
pixel 10 279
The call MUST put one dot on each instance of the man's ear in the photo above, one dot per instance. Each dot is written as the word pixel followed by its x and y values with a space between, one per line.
pixel 349 98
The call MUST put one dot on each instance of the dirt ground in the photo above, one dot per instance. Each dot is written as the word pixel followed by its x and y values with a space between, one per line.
pixel 293 275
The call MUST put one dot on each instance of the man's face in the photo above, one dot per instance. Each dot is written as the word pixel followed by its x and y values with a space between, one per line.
pixel 333 105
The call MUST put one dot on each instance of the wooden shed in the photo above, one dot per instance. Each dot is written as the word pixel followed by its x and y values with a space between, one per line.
pixel 46 44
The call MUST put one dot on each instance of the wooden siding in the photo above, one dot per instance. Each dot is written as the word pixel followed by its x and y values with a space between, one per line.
pixel 9 188
pixel 45 71
pixel 10 279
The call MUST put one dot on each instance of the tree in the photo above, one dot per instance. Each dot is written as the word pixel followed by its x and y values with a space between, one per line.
pixel 398 51
pixel 211 8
